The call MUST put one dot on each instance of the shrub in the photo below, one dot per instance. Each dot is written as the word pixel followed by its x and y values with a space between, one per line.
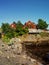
pixel 5 39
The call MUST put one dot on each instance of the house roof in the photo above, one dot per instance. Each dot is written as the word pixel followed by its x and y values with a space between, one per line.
pixel 13 25
pixel 30 22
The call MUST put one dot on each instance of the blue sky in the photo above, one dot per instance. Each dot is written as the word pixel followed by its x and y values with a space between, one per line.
pixel 24 10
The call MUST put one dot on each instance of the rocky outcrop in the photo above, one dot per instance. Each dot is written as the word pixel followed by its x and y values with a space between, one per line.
pixel 13 55
pixel 36 40
pixel 15 52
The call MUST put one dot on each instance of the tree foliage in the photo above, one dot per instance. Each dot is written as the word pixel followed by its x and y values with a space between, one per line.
pixel 42 24
pixel 19 24
pixel 5 27
pixel 10 32
pixel 19 28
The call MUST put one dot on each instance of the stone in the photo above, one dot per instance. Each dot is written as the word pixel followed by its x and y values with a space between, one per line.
pixel 8 57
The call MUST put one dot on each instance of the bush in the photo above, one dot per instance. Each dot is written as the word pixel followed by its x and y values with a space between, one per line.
pixel 9 35
pixel 11 32
pixel 5 39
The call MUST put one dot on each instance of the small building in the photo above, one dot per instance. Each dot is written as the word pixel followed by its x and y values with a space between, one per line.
pixel 30 25
pixel 13 25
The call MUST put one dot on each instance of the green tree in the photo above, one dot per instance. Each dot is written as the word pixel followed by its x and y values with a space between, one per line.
pixel 20 30
pixel 19 24
pixel 5 27
pixel 11 32
pixel 42 24
pixel 7 30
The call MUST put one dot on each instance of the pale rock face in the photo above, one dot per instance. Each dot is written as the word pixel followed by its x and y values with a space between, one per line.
pixel 15 40
pixel 16 45
pixel 17 48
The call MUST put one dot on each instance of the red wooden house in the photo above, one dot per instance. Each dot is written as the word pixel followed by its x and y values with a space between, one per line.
pixel 13 25
pixel 30 25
